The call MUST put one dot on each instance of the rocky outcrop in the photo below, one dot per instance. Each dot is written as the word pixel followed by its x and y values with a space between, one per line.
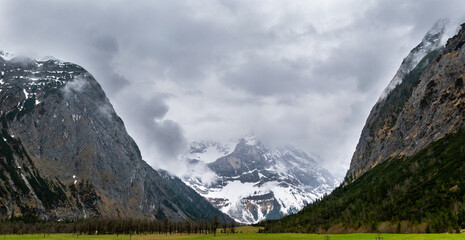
pixel 427 105
pixel 66 153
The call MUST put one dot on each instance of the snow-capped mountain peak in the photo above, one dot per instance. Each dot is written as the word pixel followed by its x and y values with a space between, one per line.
pixel 255 181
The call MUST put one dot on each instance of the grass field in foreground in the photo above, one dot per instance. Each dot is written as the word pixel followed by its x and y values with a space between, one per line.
pixel 245 233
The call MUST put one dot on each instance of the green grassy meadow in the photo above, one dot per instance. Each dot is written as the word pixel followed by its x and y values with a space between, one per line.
pixel 245 233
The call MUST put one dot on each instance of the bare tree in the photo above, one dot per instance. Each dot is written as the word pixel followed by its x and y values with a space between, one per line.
pixel 215 223
pixel 232 226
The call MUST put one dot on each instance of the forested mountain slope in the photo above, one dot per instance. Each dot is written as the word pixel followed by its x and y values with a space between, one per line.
pixel 415 182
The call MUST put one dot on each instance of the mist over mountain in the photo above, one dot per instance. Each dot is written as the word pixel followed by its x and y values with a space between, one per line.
pixel 65 153
pixel 252 181
pixel 380 125
pixel 406 175
pixel 305 73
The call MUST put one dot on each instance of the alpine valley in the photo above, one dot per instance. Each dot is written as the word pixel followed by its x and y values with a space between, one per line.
pixel 252 181
pixel 65 153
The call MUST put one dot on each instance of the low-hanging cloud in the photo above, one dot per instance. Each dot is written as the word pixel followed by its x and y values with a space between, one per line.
pixel 78 84
pixel 161 140
pixel 300 73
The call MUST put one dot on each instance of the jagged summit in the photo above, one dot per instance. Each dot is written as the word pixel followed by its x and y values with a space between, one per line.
pixel 253 181
pixel 430 42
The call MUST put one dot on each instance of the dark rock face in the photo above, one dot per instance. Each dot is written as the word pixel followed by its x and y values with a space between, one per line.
pixel 68 134
pixel 426 106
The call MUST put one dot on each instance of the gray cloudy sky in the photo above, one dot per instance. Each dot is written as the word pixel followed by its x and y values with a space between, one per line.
pixel 304 73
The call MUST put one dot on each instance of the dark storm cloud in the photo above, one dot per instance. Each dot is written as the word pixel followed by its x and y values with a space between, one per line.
pixel 106 47
pixel 299 73
pixel 265 76
pixel 162 139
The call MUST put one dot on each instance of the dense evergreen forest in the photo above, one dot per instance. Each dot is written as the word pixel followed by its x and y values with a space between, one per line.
pixel 115 226
pixel 421 193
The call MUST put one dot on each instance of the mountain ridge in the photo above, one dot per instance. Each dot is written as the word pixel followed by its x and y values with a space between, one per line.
pixel 383 119
pixel 60 130
pixel 253 181
pixel 415 184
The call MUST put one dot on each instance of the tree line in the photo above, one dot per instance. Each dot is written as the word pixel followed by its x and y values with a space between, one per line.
pixel 127 226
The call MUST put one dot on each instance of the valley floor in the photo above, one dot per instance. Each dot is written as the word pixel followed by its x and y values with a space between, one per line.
pixel 245 233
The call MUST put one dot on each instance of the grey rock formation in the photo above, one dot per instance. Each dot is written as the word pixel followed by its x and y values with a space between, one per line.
pixel 255 181
pixel 61 128
pixel 428 104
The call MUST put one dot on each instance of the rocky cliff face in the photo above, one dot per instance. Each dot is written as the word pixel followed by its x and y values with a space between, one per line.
pixel 430 42
pixel 65 153
pixel 407 173
pixel 426 105
pixel 254 181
